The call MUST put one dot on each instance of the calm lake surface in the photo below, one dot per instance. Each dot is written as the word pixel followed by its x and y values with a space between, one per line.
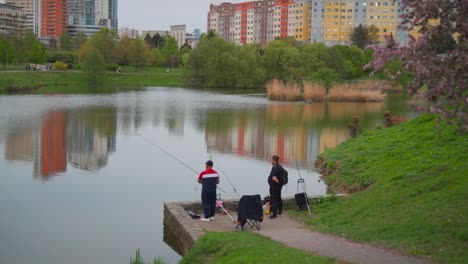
pixel 82 179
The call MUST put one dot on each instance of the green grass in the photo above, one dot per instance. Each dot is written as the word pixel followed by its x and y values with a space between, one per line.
pixel 75 81
pixel 246 247
pixel 416 196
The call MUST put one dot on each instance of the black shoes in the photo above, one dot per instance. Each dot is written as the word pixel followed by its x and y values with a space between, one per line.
pixel 273 216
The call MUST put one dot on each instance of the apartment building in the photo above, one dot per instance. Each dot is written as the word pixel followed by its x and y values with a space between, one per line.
pixel 12 19
pixel 53 18
pixel 179 32
pixel 256 21
pixel 334 21
pixel 328 21
pixel 31 9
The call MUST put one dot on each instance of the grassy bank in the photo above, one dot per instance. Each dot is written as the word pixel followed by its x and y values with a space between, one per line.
pixel 75 81
pixel 414 182
pixel 246 247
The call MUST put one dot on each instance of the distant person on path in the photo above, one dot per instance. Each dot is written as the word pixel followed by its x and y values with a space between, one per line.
pixel 209 179
pixel 274 180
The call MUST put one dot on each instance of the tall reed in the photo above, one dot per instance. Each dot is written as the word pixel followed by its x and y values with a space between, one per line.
pixel 355 93
pixel 290 91
pixel 314 91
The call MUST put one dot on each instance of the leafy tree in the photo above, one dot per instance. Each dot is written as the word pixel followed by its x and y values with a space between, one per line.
pixel 326 76
pixel 124 49
pixel 170 47
pixel 217 63
pixel 79 40
pixel 157 41
pixel 139 53
pixel 315 57
pixel 148 39
pixel 185 49
pixel 7 53
pixel 395 68
pixel 53 43
pixel 94 66
pixel 156 57
pixel 437 58
pixel 19 46
pixel 67 57
pixel 65 41
pixel 37 53
pixel 84 50
pixel 337 62
pixel 105 40
pixel 184 58
pixel 364 36
pixel 282 61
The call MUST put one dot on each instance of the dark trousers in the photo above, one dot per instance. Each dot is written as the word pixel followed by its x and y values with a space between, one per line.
pixel 208 203
pixel 276 201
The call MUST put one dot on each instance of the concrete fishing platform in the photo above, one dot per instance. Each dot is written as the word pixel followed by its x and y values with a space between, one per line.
pixel 181 232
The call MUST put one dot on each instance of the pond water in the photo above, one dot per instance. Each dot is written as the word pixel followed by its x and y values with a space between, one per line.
pixel 83 178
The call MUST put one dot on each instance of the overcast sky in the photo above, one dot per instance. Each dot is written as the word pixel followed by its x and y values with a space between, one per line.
pixel 161 14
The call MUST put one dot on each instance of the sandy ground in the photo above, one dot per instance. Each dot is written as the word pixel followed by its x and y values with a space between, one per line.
pixel 290 232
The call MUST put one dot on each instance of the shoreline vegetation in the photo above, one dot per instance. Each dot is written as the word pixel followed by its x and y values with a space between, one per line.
pixel 407 186
pixel 408 190
pixel 69 82
pixel 357 91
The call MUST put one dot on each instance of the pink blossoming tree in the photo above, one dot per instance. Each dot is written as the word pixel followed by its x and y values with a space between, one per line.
pixel 437 56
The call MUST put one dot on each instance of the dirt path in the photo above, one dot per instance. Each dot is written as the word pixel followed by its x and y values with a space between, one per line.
pixel 289 231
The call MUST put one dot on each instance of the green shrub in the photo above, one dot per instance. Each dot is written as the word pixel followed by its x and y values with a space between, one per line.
pixel 60 66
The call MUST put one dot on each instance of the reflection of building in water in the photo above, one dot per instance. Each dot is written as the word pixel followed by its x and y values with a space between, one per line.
pixel 45 147
pixel 89 140
pixel 19 145
pixel 53 158
pixel 87 135
pixel 175 120
pixel 331 137
pixel 294 143
pixel 293 131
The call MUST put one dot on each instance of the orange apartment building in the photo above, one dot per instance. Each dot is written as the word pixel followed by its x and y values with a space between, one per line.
pixel 53 18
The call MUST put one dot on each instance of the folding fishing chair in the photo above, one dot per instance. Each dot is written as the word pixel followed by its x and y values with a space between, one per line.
pixel 250 211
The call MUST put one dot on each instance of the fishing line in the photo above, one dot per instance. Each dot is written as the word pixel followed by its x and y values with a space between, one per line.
pixel 227 178
pixel 175 158
pixel 300 177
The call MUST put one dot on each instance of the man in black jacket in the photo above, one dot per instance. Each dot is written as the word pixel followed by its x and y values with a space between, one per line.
pixel 274 180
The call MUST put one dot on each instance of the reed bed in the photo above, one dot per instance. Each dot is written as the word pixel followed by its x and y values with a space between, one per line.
pixel 360 91
pixel 276 90
pixel 314 91
pixel 355 93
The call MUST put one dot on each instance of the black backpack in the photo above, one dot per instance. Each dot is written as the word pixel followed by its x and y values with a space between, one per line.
pixel 284 177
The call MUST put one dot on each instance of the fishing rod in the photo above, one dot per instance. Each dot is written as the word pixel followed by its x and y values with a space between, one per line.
pixel 175 158
pixel 300 177
pixel 301 180
pixel 232 185
pixel 227 178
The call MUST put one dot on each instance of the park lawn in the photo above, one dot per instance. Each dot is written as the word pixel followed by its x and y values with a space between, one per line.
pixel 246 247
pixel 75 82
pixel 416 190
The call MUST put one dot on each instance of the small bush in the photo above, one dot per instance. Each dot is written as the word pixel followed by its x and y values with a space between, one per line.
pixel 112 67
pixel 60 66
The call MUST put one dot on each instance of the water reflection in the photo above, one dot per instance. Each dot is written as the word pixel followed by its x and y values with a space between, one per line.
pixel 44 136
pixel 83 137
pixel 296 132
